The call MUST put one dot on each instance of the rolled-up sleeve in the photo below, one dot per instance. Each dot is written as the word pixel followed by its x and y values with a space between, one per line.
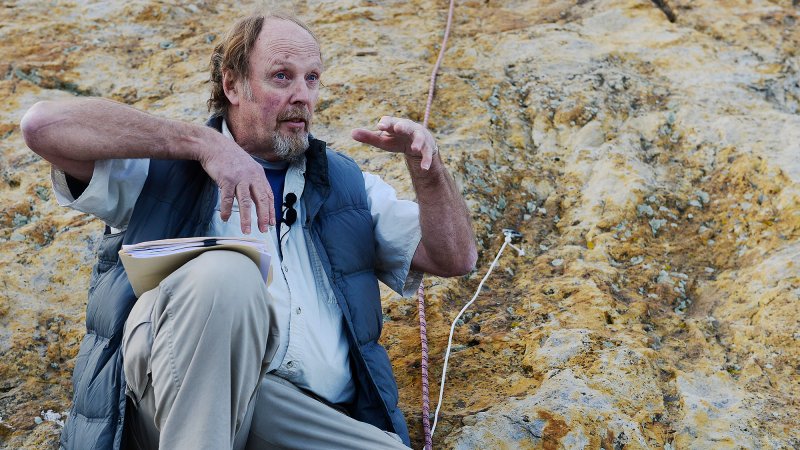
pixel 397 235
pixel 112 192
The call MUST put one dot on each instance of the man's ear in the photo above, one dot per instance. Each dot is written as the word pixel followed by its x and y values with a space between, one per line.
pixel 231 87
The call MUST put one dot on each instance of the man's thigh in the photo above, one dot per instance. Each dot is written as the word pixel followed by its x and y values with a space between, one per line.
pixel 286 418
pixel 168 314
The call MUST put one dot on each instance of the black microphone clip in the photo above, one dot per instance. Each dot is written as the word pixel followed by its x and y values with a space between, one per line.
pixel 289 213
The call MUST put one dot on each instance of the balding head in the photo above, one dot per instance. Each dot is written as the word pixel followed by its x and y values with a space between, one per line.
pixel 232 55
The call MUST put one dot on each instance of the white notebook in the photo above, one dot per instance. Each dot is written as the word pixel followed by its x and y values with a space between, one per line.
pixel 147 263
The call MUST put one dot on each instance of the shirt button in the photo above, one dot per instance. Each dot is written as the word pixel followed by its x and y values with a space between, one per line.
pixel 290 364
pixel 299 310
pixel 285 268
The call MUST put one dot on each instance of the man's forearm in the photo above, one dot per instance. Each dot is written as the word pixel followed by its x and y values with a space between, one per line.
pixel 72 134
pixel 448 243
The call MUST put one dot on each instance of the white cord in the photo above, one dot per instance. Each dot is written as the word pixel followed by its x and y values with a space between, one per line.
pixel 453 327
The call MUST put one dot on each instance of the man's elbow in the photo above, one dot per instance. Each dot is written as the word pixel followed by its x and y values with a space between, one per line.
pixel 445 264
pixel 461 265
pixel 467 263
pixel 32 124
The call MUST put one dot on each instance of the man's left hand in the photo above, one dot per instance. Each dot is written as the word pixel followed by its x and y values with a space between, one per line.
pixel 401 136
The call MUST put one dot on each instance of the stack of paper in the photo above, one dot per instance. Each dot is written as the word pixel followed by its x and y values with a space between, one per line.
pixel 147 263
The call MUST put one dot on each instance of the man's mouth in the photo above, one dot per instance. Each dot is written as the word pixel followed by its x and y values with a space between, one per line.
pixel 295 121
pixel 295 118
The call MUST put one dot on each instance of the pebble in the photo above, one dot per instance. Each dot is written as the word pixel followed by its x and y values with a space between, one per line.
pixel 664 278
pixel 656 224
pixel 695 203
pixel 38 420
pixel 166 44
pixel 20 220
pixel 709 269
pixel 52 416
pixel 645 209
pixel 557 262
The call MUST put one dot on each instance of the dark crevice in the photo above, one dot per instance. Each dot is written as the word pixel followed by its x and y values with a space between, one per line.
pixel 664 6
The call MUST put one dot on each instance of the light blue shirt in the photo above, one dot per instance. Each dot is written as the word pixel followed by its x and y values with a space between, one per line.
pixel 313 354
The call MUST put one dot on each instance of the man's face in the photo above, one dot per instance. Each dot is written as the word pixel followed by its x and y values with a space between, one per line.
pixel 272 118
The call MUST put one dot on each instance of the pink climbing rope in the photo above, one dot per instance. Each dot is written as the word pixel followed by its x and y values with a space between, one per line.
pixel 423 337
pixel 435 71
pixel 423 327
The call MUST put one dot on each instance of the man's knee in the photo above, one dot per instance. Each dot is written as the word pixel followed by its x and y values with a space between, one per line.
pixel 219 282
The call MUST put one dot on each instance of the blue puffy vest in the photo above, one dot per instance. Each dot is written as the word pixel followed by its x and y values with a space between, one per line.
pixel 178 200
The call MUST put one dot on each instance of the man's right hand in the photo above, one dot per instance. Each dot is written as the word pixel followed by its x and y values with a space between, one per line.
pixel 239 176
pixel 73 134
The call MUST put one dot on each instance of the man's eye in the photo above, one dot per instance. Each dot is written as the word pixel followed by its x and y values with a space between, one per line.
pixel 281 76
pixel 312 77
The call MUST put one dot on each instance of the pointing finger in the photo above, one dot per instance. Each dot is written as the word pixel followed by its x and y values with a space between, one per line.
pixel 379 139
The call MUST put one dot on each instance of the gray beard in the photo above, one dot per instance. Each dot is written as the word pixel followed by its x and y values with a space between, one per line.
pixel 290 148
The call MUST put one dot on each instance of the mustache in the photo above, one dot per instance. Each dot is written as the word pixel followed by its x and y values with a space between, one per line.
pixel 295 112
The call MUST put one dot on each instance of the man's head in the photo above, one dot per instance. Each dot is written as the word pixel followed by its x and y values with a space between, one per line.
pixel 265 80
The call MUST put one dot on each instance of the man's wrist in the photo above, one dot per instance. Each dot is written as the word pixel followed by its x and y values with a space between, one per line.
pixel 436 170
pixel 193 142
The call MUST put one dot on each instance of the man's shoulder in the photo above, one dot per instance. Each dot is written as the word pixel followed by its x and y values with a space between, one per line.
pixel 323 159
pixel 340 158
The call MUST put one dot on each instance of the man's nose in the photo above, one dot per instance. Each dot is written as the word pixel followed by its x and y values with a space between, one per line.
pixel 301 92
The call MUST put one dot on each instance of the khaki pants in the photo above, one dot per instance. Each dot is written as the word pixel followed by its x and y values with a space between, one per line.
pixel 195 350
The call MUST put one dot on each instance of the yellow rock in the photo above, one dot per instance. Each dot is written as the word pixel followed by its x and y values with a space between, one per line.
pixel 656 161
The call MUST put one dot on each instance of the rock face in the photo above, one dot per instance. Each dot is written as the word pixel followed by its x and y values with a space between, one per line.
pixel 651 165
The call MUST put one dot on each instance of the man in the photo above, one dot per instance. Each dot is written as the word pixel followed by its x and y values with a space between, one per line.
pixel 212 358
